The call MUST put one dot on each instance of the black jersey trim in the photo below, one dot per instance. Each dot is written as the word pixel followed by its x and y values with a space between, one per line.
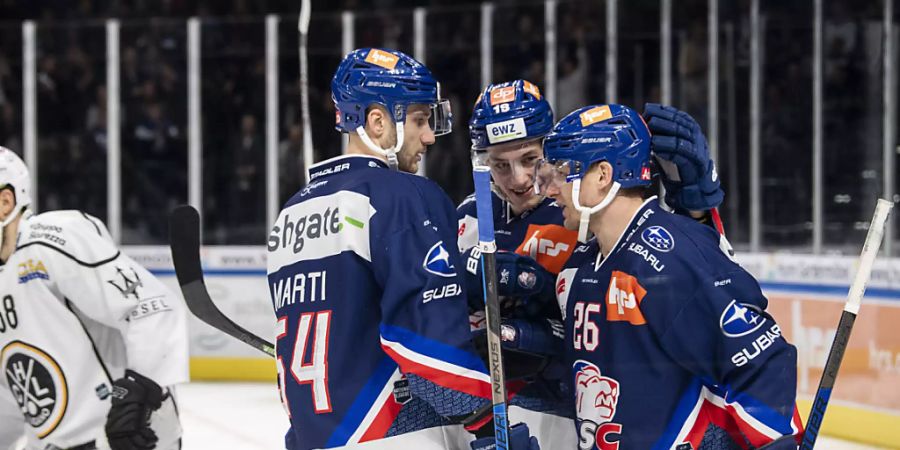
pixel 91 340
pixel 69 255
pixel 88 218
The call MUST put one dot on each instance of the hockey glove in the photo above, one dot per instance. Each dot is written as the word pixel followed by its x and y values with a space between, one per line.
pixel 519 439
pixel 689 174
pixel 517 276
pixel 543 337
pixel 532 345
pixel 134 398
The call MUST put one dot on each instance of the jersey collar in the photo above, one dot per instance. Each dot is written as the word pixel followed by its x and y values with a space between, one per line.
pixel 633 225
pixel 343 163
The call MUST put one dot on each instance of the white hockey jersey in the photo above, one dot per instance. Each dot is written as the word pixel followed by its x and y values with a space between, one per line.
pixel 75 312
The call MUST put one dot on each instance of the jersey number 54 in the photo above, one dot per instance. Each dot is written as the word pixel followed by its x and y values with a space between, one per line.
pixel 312 331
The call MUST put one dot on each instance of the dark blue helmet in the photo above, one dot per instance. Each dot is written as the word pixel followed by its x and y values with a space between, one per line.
pixel 510 111
pixel 612 133
pixel 389 78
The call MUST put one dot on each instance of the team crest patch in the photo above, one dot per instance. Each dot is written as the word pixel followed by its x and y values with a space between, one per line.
pixel 38 385
pixel 596 399
pixel 127 283
pixel 437 261
pixel 32 270
pixel 658 238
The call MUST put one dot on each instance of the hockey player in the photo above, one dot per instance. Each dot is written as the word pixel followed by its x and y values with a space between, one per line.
pixel 373 341
pixel 507 127
pixel 90 341
pixel 667 338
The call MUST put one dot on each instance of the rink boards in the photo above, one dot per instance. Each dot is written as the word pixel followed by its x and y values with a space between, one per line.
pixel 806 295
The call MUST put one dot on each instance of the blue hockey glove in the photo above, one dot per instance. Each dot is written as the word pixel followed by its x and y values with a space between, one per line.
pixel 689 174
pixel 543 337
pixel 519 439
pixel 517 276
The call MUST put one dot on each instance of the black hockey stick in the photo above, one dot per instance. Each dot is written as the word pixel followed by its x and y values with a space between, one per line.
pixel 845 326
pixel 184 240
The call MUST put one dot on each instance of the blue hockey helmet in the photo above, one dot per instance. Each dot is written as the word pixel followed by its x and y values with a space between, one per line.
pixel 612 133
pixel 510 111
pixel 391 79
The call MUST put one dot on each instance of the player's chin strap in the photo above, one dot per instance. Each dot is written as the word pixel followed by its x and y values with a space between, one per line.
pixel 585 211
pixel 24 212
pixel 389 153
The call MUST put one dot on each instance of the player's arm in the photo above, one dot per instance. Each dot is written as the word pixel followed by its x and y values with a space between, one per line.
pixel 723 334
pixel 425 326
pixel 103 285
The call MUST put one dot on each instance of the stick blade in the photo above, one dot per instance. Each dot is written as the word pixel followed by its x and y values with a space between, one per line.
pixel 184 241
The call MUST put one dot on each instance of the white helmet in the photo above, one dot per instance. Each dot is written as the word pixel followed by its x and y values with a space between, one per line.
pixel 13 172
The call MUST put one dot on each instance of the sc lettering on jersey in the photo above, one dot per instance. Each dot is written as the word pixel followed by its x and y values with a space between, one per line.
pixel 300 288
pixel 596 399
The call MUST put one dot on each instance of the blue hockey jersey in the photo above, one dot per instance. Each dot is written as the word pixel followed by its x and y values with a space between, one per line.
pixel 372 334
pixel 670 345
pixel 538 233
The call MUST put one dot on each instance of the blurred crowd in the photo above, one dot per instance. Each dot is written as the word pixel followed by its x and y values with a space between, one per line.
pixel 71 97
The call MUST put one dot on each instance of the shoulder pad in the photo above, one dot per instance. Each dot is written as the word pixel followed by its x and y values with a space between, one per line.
pixel 469 201
pixel 77 235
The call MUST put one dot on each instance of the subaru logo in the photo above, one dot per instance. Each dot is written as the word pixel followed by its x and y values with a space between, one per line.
pixel 437 261
pixel 658 238
pixel 740 319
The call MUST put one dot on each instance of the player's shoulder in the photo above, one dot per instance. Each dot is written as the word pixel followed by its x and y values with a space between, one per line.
pixel 666 246
pixel 467 206
pixel 70 233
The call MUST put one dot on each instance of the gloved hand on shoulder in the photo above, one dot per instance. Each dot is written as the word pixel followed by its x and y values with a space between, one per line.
pixel 682 152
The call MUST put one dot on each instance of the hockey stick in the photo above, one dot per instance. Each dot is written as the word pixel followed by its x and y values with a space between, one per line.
pixel 845 326
pixel 482 177
pixel 303 28
pixel 184 240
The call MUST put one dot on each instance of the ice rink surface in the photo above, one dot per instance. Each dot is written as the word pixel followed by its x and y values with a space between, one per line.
pixel 248 416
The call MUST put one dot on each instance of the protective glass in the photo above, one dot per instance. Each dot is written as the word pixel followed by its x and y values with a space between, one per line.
pixel 555 174
pixel 441 121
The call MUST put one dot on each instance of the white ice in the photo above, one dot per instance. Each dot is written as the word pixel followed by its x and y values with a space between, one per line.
pixel 248 416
